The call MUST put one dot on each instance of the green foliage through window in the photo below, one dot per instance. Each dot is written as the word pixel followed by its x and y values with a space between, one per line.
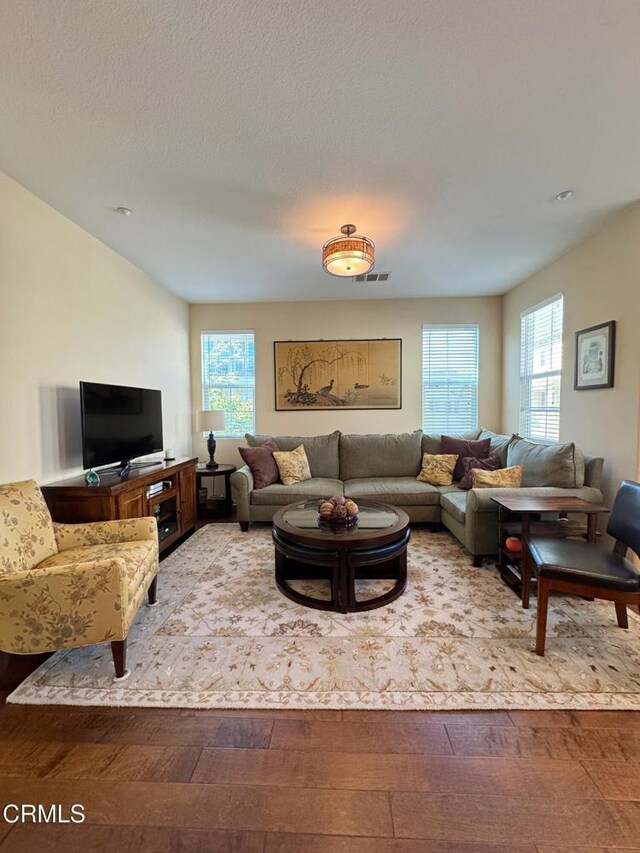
pixel 229 379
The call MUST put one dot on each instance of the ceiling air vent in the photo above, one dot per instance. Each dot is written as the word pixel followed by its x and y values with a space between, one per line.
pixel 370 277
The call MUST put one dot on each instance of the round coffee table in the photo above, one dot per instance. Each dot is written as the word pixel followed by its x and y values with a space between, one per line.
pixel 374 549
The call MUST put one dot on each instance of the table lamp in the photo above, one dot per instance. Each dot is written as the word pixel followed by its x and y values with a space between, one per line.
pixel 211 420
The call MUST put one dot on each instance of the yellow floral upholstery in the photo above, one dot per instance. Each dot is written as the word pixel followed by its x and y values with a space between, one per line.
pixel 68 585
pixel 293 465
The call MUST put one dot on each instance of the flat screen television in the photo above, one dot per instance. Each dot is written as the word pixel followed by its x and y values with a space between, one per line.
pixel 118 424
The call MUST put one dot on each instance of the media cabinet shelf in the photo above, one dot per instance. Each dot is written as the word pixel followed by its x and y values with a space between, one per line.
pixel 72 501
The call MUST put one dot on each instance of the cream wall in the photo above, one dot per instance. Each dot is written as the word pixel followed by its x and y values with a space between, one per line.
pixel 273 321
pixel 73 309
pixel 600 280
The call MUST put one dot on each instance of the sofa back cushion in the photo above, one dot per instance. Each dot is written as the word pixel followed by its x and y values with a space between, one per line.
pixel 321 450
pixel 546 464
pixel 593 466
pixel 26 530
pixel 499 443
pixel 380 455
pixel 431 441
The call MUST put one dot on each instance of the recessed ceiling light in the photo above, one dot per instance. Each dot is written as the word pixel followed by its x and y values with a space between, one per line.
pixel 564 195
pixel 125 211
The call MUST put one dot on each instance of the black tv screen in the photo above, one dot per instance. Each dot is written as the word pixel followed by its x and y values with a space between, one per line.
pixel 119 423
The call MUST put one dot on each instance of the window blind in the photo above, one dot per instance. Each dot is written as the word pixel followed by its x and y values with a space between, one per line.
pixel 229 379
pixel 541 369
pixel 449 378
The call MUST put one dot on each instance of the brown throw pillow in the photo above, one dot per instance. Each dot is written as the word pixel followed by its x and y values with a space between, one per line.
pixel 478 449
pixel 470 463
pixel 504 478
pixel 437 469
pixel 263 465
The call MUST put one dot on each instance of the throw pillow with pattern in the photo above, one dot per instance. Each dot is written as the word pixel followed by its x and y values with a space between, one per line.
pixel 470 463
pixel 292 465
pixel 504 478
pixel 437 469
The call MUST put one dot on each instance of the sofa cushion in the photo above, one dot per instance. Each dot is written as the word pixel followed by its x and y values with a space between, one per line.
pixel 437 468
pixel 499 443
pixel 402 491
pixel 464 448
pixel 455 503
pixel 391 455
pixel 262 464
pixel 292 465
pixel 544 464
pixel 278 494
pixel 321 450
pixel 491 463
pixel 431 441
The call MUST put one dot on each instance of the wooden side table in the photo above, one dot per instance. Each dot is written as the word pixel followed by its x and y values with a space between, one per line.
pixel 519 516
pixel 216 507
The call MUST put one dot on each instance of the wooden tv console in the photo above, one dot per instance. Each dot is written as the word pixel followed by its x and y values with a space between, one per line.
pixel 72 501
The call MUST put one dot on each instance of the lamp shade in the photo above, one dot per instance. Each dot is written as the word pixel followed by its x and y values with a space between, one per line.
pixel 210 420
pixel 348 255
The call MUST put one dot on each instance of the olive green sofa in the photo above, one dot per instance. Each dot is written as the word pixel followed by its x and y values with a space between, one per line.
pixel 384 468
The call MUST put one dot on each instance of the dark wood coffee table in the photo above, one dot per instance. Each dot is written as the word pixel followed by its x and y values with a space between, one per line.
pixel 375 549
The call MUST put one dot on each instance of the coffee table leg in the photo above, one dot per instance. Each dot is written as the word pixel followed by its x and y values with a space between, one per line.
pixel 345 581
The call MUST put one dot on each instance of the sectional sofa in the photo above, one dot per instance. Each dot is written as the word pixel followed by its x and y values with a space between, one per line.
pixel 384 468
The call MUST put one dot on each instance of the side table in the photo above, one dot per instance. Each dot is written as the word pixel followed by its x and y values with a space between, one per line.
pixel 519 516
pixel 216 507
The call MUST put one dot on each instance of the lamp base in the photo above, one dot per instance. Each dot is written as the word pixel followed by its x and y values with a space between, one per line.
pixel 211 465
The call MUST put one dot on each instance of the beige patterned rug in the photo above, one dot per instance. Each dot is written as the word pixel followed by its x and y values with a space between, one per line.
pixel 224 637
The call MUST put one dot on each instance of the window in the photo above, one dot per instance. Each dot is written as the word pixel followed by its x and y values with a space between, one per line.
pixel 449 378
pixel 229 379
pixel 540 370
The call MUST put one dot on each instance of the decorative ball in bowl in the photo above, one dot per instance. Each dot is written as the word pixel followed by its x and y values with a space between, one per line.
pixel 338 510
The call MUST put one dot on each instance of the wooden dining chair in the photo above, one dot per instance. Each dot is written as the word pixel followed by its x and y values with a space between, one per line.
pixel 580 568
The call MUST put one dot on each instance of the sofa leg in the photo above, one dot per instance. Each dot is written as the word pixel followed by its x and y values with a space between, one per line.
pixel 244 526
pixel 119 652
pixel 153 592
pixel 477 561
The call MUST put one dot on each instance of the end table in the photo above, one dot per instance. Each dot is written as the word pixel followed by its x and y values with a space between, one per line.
pixel 216 507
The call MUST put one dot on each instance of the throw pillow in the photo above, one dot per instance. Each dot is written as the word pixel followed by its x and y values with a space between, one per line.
pixel 479 449
pixel 293 465
pixel 437 469
pixel 503 478
pixel 471 464
pixel 263 465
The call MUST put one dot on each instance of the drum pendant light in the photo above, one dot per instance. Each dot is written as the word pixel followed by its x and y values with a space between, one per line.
pixel 348 255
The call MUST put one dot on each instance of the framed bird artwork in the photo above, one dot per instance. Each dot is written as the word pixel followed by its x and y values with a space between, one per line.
pixel 348 374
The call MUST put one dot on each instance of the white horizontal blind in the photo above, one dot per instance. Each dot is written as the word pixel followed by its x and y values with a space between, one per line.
pixel 229 379
pixel 541 369
pixel 449 378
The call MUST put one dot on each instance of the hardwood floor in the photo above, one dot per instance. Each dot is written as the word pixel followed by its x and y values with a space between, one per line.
pixel 323 782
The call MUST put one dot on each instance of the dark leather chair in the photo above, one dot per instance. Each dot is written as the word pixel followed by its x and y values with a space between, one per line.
pixel 580 568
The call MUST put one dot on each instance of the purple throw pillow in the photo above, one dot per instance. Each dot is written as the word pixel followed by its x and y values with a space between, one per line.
pixel 478 449
pixel 263 465
pixel 491 463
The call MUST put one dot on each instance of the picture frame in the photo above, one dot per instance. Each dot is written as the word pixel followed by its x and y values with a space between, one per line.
pixel 595 357
pixel 338 374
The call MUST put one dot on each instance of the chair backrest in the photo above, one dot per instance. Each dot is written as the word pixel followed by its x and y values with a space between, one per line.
pixel 624 521
pixel 26 530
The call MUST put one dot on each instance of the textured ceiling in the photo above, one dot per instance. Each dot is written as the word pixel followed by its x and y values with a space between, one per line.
pixel 243 134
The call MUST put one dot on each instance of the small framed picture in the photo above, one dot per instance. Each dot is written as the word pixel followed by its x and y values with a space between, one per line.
pixel 595 356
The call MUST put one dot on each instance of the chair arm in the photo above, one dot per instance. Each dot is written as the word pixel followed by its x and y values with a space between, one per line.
pixel 105 532
pixel 241 488
pixel 63 606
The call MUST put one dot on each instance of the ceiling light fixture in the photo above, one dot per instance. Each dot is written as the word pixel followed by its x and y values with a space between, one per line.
pixel 349 255
pixel 125 211
pixel 564 195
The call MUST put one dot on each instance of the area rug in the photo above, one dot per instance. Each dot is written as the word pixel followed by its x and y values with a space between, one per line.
pixel 223 636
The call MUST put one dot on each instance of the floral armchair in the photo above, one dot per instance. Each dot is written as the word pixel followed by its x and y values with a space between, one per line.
pixel 68 585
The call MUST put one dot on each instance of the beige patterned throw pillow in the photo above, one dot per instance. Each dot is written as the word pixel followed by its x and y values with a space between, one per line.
pixel 437 469
pixel 292 465
pixel 503 478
